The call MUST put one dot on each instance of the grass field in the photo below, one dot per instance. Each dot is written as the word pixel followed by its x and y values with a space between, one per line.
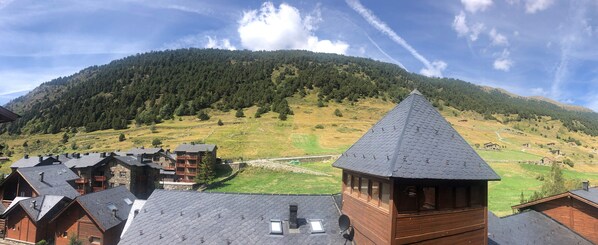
pixel 507 155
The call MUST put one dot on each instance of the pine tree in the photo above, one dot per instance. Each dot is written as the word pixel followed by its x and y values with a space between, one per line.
pixel 156 142
pixel 239 113
pixel 555 182
pixel 338 113
pixel 65 138
pixel 203 116
pixel 121 137
pixel 207 170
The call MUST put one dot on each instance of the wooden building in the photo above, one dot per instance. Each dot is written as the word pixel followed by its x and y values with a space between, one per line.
pixel 413 179
pixel 491 146
pixel 188 156
pixel 27 220
pixel 162 158
pixel 101 171
pixel 577 209
pixel 96 218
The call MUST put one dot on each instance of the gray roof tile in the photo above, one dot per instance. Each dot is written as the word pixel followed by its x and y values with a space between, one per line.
pixel 132 161
pixel 140 151
pixel 195 148
pixel 530 227
pixel 414 141
pixel 55 180
pixel 45 206
pixel 86 161
pixel 97 204
pixel 215 218
pixel 591 194
pixel 33 161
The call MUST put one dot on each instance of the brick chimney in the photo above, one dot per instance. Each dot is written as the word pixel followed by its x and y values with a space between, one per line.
pixel 293 208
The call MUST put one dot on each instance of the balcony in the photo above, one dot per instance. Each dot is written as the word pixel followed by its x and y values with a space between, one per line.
pixel 170 168
pixel 191 166
pixel 81 191
pixel 99 178
pixel 180 165
pixel 96 189
pixel 81 181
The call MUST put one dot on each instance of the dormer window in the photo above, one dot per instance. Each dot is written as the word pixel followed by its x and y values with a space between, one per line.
pixel 275 227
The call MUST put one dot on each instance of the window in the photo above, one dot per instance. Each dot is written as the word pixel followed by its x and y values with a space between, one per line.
pixel 95 240
pixel 348 183
pixel 355 185
pixel 375 192
pixel 475 196
pixel 407 200
pixel 123 174
pixel 363 189
pixel 316 226
pixel 385 195
pixel 428 198
pixel 461 197
pixel 276 227
pixel 445 197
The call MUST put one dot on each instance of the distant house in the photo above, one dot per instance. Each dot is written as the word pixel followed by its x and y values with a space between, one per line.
pixel 577 210
pixel 463 120
pixel 27 220
pixel 101 171
pixel 555 151
pixel 546 160
pixel 28 161
pixel 95 218
pixel 191 217
pixel 7 116
pixel 164 159
pixel 491 146
pixel 551 144
pixel 411 179
pixel 526 145
pixel 188 156
pixel 571 144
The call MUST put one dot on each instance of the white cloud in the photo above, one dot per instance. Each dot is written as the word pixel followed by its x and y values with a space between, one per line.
pixel 434 68
pixel 503 62
pixel 497 38
pixel 538 91
pixel 271 28
pixel 462 29
pixel 476 5
pixel 222 44
pixel 533 6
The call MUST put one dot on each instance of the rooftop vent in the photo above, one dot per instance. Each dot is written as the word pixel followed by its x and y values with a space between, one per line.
pixel 41 158
pixel 113 208
pixel 276 227
pixel 26 156
pixel 293 208
pixel 41 176
pixel 585 185
pixel 103 154
pixel 33 204
pixel 316 226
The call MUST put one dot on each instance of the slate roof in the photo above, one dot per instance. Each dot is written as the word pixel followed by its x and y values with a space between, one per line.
pixel 530 227
pixel 85 161
pixel 46 206
pixel 195 148
pixel 97 206
pixel 591 194
pixel 414 141
pixel 33 161
pixel 55 181
pixel 137 206
pixel 218 218
pixel 132 161
pixel 140 151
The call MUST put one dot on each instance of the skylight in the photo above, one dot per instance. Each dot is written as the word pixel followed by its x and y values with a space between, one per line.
pixel 128 201
pixel 316 226
pixel 276 227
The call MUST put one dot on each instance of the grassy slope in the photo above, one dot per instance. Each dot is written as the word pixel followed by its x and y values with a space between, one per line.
pixel 251 138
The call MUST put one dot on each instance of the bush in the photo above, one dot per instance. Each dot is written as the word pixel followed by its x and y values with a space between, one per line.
pixel 338 113
pixel 220 123
pixel 282 116
pixel 42 242
pixel 156 142
pixel 121 137
pixel 568 162
pixel 320 126
pixel 239 113
pixel 203 116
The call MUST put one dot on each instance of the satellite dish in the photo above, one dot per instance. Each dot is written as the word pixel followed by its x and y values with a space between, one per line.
pixel 344 222
pixel 350 235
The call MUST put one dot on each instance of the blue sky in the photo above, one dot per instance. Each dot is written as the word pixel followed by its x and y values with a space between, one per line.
pixel 528 47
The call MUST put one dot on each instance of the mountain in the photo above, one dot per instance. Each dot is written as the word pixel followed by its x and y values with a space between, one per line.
pixel 152 87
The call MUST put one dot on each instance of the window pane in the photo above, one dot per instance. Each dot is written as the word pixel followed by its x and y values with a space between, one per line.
pixel 355 185
pixel 375 192
pixel 460 197
pixel 385 197
pixel 428 198
pixel 348 183
pixel 363 190
pixel 445 197
pixel 476 196
pixel 407 200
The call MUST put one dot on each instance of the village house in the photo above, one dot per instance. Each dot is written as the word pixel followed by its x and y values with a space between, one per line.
pixel 188 156
pixel 526 145
pixel 101 171
pixel 191 217
pixel 491 146
pixel 95 218
pixel 28 161
pixel 577 210
pixel 164 159
pixel 547 160
pixel 412 178
pixel 27 220
pixel 551 144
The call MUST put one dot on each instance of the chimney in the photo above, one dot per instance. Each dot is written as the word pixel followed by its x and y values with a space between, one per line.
pixel 41 176
pixel 293 208
pixel 167 150
pixel 66 155
pixel 40 158
pixel 57 157
pixel 33 204
pixel 585 185
pixel 26 156
pixel 140 158
pixel 103 154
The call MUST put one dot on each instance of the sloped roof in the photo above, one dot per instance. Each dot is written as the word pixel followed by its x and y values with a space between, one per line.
pixel 590 197
pixel 45 206
pixel 530 227
pixel 132 161
pixel 7 116
pixel 85 161
pixel 195 148
pixel 140 151
pixel 137 205
pixel 591 194
pixel 97 205
pixel 33 161
pixel 414 141
pixel 55 181
pixel 216 218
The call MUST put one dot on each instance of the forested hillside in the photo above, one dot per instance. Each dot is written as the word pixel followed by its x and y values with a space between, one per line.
pixel 151 87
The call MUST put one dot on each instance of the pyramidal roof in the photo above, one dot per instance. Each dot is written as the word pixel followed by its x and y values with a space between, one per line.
pixel 414 141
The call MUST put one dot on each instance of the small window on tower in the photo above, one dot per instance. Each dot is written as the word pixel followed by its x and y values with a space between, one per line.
pixel 348 183
pixel 428 198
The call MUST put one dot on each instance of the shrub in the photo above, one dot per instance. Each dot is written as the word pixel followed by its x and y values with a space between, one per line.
pixel 568 162
pixel 203 116
pixel 239 113
pixel 320 126
pixel 121 137
pixel 220 123
pixel 156 142
pixel 338 113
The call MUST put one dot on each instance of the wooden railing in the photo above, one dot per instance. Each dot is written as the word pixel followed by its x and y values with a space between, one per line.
pixel 99 178
pixel 81 181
